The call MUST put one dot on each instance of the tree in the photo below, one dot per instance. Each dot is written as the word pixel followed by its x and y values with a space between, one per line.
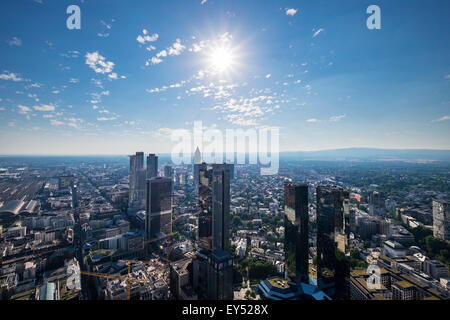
pixel 261 269
pixel 354 254
pixel 236 221
pixel 237 275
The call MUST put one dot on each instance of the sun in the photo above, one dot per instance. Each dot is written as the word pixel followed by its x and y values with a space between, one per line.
pixel 221 59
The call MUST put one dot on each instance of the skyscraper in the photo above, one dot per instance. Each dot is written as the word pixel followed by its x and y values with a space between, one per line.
pixel 137 182
pixel 152 166
pixel 441 219
pixel 204 235
pixel 296 232
pixel 214 207
pixel 168 171
pixel 213 265
pixel 333 227
pixel 197 164
pixel 74 196
pixel 158 218
pixel 132 179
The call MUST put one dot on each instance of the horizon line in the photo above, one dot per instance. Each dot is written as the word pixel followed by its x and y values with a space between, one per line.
pixel 166 153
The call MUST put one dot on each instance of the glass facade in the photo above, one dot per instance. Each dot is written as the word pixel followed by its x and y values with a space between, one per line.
pixel 333 227
pixel 159 207
pixel 152 166
pixel 296 231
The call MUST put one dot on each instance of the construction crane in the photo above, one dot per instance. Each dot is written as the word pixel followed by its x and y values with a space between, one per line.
pixel 126 277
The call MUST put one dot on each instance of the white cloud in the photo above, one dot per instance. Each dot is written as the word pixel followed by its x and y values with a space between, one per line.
pixel 74 80
pixel 98 63
pixel 15 42
pixel 444 118
pixel 106 119
pixel 70 54
pixel 317 32
pixel 337 118
pixel 203 1
pixel 162 53
pixel 268 76
pixel 155 60
pixel 23 109
pixel 45 108
pixel 176 49
pixel 54 122
pixel 291 12
pixel 6 75
pixel 142 39
pixel 312 120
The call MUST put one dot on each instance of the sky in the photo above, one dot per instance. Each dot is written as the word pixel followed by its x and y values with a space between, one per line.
pixel 138 70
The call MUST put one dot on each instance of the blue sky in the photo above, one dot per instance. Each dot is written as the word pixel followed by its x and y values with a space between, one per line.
pixel 137 70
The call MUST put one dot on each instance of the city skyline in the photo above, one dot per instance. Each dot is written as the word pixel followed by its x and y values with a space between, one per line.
pixel 131 76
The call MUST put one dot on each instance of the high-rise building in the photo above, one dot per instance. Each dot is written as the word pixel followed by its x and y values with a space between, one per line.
pixel 213 265
pixel 152 166
pixel 74 196
pixel 158 218
pixel 441 219
pixel 168 171
pixel 197 165
pixel 296 232
pixel 137 182
pixel 132 178
pixel 140 179
pixel 377 203
pixel 333 229
pixel 214 207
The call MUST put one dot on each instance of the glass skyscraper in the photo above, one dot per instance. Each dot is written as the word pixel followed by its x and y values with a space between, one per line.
pixel 296 232
pixel 152 166
pixel 159 207
pixel 333 227
pixel 213 265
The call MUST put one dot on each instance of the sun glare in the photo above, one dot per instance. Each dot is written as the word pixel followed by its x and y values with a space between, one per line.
pixel 221 59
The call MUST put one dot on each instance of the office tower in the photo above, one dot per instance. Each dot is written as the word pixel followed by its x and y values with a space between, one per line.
pixel 296 232
pixel 231 166
pixel 376 204
pixel 214 207
pixel 132 179
pixel 74 196
pixel 213 265
pixel 158 218
pixel 333 228
pixel 204 235
pixel 197 165
pixel 137 182
pixel 441 219
pixel 221 207
pixel 152 166
pixel 168 171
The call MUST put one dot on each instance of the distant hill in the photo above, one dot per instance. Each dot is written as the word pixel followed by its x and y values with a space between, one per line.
pixel 369 154
pixel 349 154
